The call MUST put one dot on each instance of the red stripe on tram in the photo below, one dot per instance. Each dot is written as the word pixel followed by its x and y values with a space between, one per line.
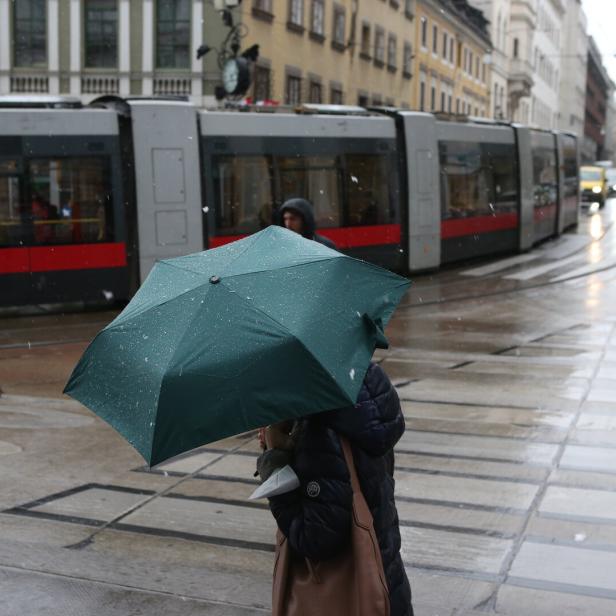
pixel 77 256
pixel 343 237
pixel 458 227
pixel 355 237
pixel 14 260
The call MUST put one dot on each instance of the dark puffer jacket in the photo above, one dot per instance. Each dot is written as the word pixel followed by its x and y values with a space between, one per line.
pixel 318 526
pixel 306 211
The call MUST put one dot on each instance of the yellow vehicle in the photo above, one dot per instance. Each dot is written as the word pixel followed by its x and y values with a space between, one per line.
pixel 593 185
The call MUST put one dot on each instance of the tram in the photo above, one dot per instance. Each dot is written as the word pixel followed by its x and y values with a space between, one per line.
pixel 91 196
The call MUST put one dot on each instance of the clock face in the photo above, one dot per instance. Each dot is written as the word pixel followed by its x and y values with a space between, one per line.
pixel 230 76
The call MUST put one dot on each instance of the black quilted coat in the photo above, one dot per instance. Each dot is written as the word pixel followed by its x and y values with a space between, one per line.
pixel 316 518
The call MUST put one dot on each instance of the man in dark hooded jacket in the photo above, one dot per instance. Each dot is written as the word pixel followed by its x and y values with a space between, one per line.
pixel 316 517
pixel 298 215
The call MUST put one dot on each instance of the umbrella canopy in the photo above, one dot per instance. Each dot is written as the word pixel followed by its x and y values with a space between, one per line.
pixel 216 343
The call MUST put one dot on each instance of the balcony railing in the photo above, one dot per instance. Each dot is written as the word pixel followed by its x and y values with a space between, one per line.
pixel 32 84
pixel 172 86
pixel 100 84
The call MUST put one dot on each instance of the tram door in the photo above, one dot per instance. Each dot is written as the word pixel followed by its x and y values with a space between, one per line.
pixel 167 178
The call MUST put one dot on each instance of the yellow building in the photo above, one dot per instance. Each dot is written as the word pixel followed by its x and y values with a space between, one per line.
pixel 451 71
pixel 346 51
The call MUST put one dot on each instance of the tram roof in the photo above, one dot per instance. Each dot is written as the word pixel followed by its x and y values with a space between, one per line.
pixel 40 101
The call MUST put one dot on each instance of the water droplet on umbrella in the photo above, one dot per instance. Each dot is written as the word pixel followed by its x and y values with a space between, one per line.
pixel 352 374
pixel 145 337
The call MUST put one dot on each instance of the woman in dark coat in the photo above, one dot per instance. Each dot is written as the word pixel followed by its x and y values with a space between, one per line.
pixel 316 517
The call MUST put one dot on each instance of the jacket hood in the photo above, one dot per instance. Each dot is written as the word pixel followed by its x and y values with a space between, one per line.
pixel 305 210
pixel 375 423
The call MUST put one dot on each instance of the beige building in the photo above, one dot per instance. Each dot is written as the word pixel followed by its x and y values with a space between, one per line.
pixel 452 58
pixel 322 51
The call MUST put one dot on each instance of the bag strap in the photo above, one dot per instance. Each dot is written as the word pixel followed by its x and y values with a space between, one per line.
pixel 361 511
pixel 348 456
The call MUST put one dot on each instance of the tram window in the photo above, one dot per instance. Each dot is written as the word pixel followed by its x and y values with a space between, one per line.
pixel 545 188
pixel 243 188
pixel 502 176
pixel 68 201
pixel 570 166
pixel 477 179
pixel 11 228
pixel 315 178
pixel 464 180
pixel 367 184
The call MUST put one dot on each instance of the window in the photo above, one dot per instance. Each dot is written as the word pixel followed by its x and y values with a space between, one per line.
pixel 391 52
pixel 55 201
pixel 424 32
pixel 336 96
pixel 445 45
pixel 449 105
pixel 408 8
pixel 434 38
pixel 477 179
pixel 296 12
pixel 101 33
pixel 516 46
pixel 30 33
pixel 469 69
pixel 433 98
pixel 263 5
pixel 545 187
pixel 365 40
pixel 379 46
pixel 362 100
pixel 173 34
pixel 477 67
pixel 293 90
pixel 339 25
pixel 443 99
pixel 368 185
pixel 245 201
pixel 314 94
pixel 422 91
pixel 316 178
pixel 262 83
pixel 407 60
pixel 345 189
pixel 451 49
pixel 317 23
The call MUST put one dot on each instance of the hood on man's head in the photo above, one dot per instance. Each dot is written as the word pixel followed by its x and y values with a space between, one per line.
pixel 304 209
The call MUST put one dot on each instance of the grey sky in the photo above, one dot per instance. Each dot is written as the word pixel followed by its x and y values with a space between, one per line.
pixel 601 15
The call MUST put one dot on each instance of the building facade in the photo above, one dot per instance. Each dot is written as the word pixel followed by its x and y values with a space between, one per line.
pixel 87 48
pixel 523 22
pixel 574 51
pixel 452 52
pixel 320 51
pixel 599 94
pixel 498 14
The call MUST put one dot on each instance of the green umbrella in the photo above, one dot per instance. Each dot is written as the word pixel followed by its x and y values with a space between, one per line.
pixel 216 343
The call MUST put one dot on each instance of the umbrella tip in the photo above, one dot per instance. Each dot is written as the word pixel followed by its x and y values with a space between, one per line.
pixel 214 279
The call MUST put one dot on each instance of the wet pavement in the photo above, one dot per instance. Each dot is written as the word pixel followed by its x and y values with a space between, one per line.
pixel 505 478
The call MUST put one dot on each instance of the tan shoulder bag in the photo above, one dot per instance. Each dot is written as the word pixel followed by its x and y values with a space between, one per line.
pixel 351 584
